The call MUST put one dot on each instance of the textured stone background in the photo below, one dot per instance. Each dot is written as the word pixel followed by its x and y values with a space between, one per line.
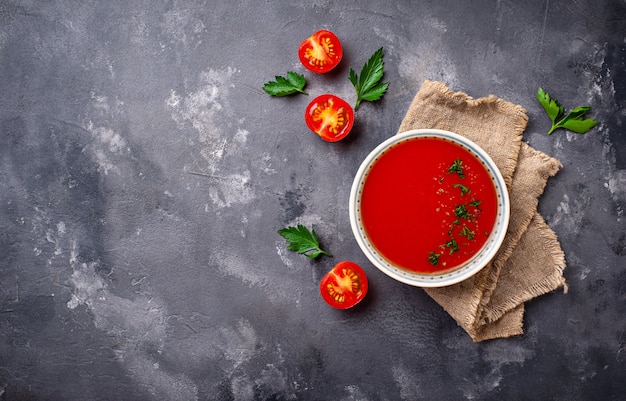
pixel 144 173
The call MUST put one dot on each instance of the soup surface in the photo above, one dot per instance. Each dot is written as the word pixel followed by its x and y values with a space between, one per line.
pixel 428 204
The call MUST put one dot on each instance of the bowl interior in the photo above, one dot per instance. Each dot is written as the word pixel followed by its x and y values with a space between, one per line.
pixel 444 277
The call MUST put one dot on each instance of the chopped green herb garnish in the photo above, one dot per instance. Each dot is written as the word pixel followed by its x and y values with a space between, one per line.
pixel 452 245
pixel 433 258
pixel 464 190
pixel 475 203
pixel 466 232
pixel 457 168
pixel 461 212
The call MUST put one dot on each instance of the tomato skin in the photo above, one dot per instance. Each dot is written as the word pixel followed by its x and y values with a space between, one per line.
pixel 320 52
pixel 344 286
pixel 330 117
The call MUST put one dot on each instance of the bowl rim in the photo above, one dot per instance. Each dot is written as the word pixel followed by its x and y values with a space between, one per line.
pixel 467 269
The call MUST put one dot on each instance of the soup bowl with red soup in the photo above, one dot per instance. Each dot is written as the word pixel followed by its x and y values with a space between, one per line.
pixel 429 208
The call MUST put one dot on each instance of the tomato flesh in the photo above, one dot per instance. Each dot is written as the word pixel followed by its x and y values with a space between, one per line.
pixel 344 286
pixel 321 52
pixel 330 117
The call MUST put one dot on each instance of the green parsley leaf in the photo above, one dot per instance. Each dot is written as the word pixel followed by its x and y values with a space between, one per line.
pixel 303 241
pixel 283 86
pixel 573 121
pixel 367 84
pixel 551 106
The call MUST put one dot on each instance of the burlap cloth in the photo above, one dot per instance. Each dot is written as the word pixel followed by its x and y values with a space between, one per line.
pixel 530 262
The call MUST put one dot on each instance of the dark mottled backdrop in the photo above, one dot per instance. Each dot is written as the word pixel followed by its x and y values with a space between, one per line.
pixel 144 173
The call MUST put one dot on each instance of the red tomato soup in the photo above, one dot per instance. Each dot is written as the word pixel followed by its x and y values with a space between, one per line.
pixel 428 204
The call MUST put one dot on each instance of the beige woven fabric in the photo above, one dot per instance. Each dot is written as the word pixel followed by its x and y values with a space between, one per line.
pixel 530 262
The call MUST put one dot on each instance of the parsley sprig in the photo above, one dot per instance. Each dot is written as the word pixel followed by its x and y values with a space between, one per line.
pixel 303 241
pixel 573 121
pixel 367 83
pixel 283 86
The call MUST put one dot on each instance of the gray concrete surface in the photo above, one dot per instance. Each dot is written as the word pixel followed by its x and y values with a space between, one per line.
pixel 144 174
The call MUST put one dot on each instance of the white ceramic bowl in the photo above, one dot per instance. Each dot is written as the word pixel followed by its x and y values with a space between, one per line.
pixel 439 279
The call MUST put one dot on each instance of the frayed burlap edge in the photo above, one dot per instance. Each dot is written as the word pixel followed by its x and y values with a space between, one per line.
pixel 538 239
pixel 533 170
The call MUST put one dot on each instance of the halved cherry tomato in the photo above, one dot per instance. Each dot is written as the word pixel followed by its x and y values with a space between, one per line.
pixel 321 52
pixel 344 286
pixel 330 117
